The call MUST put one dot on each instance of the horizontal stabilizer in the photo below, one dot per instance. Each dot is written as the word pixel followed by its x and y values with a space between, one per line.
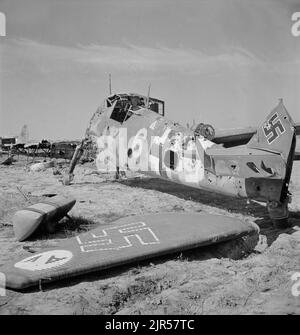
pixel 27 220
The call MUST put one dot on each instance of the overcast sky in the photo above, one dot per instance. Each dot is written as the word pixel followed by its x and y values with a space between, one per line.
pixel 224 62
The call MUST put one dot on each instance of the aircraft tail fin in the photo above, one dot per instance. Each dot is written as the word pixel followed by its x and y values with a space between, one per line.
pixel 24 135
pixel 276 134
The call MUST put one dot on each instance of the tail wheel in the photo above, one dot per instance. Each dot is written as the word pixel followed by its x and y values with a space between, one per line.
pixel 279 213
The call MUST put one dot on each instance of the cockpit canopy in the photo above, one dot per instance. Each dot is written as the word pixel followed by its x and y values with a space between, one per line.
pixel 128 104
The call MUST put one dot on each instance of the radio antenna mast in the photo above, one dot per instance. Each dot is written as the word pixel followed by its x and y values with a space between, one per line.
pixel 109 84
pixel 148 96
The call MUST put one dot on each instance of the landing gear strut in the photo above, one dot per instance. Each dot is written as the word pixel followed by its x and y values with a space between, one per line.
pixel 68 177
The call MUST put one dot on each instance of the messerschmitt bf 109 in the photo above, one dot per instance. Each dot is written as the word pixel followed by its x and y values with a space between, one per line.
pixel 131 132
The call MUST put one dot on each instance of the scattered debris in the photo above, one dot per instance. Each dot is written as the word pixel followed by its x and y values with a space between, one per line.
pixel 56 172
pixel 8 161
pixel 37 167
pixel 43 215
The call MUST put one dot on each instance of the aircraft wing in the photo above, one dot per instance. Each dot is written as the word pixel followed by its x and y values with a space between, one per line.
pixel 128 240
pixel 240 136
pixel 233 137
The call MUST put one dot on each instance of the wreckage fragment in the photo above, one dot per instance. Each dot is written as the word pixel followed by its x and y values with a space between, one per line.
pixel 44 214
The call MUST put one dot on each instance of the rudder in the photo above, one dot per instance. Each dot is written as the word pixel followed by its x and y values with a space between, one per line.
pixel 276 134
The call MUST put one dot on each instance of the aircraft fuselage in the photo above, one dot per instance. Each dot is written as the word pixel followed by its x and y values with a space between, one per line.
pixel 130 133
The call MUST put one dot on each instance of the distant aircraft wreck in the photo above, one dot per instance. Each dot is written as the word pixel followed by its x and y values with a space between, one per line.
pixel 131 132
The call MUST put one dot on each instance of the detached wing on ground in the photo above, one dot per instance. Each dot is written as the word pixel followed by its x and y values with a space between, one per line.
pixel 127 240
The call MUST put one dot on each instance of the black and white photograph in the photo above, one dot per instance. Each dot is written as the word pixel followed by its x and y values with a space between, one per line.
pixel 149 160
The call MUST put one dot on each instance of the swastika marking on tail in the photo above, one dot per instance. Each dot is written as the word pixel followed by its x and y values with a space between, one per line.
pixel 273 128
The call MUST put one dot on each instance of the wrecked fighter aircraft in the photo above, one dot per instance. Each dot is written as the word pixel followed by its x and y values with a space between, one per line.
pixel 131 132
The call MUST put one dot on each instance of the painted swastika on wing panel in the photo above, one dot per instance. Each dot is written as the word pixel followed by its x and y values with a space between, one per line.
pixel 45 260
pixel 118 238
pixel 273 128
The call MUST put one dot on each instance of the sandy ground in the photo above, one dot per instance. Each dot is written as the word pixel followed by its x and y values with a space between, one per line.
pixel 222 279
